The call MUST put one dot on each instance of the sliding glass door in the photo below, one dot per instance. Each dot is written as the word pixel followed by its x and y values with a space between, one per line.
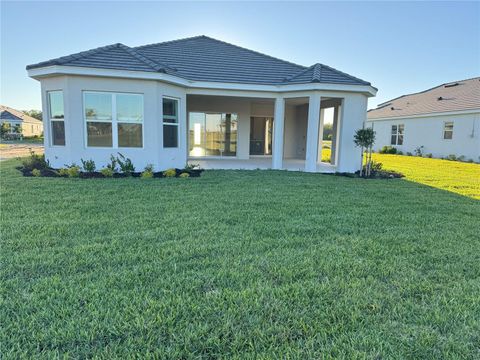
pixel 212 134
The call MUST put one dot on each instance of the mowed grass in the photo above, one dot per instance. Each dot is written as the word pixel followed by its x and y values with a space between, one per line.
pixel 455 176
pixel 237 264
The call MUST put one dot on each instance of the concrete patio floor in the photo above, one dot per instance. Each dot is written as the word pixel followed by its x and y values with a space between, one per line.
pixel 255 163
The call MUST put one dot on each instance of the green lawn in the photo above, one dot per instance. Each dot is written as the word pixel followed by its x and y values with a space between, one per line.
pixel 237 264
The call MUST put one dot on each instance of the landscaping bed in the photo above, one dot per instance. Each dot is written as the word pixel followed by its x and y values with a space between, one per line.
pixel 119 167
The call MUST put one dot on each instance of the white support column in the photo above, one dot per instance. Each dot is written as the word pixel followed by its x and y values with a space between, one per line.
pixel 313 126
pixel 278 129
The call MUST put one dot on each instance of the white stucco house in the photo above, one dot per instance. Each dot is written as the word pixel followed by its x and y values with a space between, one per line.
pixel 445 120
pixel 29 125
pixel 198 100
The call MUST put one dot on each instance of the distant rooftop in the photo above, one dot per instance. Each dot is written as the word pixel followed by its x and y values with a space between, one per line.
pixel 454 96
pixel 202 58
pixel 7 113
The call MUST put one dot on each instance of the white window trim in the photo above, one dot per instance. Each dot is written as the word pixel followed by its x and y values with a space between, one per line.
pixel 397 134
pixel 177 117
pixel 51 120
pixel 444 130
pixel 114 121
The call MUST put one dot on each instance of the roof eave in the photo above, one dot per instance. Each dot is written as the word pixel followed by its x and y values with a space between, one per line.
pixel 57 70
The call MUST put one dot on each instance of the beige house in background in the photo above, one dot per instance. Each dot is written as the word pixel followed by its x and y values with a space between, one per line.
pixel 30 126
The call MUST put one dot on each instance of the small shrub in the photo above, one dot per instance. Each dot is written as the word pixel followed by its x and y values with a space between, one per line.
pixel 451 157
pixel 409 153
pixel 418 151
pixel 146 175
pixel 184 175
pixel 113 164
pixel 125 164
pixel 429 155
pixel 36 172
pixel 147 172
pixel 88 165
pixel 461 158
pixel 388 150
pixel 35 161
pixel 470 160
pixel 63 171
pixel 170 173
pixel 73 171
pixel 399 152
pixel 107 172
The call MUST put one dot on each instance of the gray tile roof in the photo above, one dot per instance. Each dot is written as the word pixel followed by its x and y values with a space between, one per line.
pixel 7 113
pixel 202 58
pixel 455 96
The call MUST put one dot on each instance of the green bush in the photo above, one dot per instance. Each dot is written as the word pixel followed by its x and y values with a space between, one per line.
pixel 409 153
pixel 73 171
pixel 429 155
pixel 63 171
pixel 147 172
pixel 88 165
pixel 35 161
pixel 388 150
pixel 452 157
pixel 107 172
pixel 184 175
pixel 36 173
pixel 170 173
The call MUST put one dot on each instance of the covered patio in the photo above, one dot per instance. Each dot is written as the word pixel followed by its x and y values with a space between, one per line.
pixel 247 132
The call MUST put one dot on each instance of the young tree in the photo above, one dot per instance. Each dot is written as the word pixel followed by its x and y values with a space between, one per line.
pixel 365 138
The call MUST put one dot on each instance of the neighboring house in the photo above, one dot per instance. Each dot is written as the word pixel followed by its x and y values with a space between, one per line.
pixel 445 120
pixel 198 100
pixel 30 126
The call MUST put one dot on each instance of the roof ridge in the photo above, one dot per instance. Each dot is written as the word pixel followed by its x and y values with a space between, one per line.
pixel 348 75
pixel 424 91
pixel 153 64
pixel 317 73
pixel 168 42
pixel 223 42
pixel 300 73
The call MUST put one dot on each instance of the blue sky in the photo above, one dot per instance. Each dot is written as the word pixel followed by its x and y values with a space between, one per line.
pixel 400 47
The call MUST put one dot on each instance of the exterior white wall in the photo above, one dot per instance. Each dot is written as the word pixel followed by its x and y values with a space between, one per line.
pixel 428 131
pixel 352 116
pixel 75 127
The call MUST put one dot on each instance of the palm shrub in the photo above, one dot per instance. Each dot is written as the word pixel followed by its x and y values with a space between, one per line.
pixel 125 164
pixel 365 138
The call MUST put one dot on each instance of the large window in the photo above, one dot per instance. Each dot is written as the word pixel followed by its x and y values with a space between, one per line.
pixel 113 120
pixel 212 134
pixel 170 123
pixel 448 130
pixel 56 117
pixel 397 135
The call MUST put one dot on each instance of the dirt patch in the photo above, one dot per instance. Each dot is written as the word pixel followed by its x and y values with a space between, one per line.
pixel 9 151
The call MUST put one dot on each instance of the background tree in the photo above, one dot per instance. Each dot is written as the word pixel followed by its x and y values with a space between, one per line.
pixel 327 131
pixel 4 129
pixel 365 138
pixel 37 114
